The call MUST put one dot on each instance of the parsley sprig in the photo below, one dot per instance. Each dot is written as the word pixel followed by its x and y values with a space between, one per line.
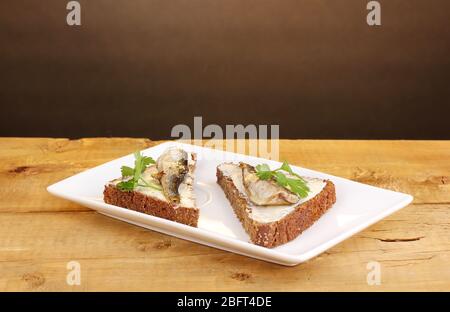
pixel 134 175
pixel 295 184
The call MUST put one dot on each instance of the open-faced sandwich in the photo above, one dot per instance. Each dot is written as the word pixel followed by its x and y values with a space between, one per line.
pixel 162 188
pixel 274 206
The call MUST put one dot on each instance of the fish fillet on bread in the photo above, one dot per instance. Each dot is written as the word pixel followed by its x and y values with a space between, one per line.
pixel 173 198
pixel 270 214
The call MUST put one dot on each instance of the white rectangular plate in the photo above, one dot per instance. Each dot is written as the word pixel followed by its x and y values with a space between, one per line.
pixel 357 207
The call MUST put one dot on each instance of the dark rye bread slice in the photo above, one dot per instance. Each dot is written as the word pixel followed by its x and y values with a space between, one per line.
pixel 149 205
pixel 152 205
pixel 287 228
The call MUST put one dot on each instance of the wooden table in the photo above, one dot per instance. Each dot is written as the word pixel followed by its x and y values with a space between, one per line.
pixel 40 234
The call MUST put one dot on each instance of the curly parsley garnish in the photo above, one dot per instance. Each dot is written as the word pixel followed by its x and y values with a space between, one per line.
pixel 133 176
pixel 295 184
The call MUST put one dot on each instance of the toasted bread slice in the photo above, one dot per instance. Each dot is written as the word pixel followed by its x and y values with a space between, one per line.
pixel 271 226
pixel 154 202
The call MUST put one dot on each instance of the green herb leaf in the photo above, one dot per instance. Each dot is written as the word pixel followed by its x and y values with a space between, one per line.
pixel 140 164
pixel 263 172
pixel 296 185
pixel 263 167
pixel 285 166
pixel 127 171
pixel 281 179
pixel 126 185
pixel 147 161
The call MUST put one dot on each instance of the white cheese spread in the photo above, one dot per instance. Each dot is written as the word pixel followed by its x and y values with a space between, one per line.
pixel 266 214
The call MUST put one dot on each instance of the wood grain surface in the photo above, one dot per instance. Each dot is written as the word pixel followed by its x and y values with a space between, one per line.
pixel 40 234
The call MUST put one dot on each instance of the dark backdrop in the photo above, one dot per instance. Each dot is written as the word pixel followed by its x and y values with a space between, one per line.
pixel 138 67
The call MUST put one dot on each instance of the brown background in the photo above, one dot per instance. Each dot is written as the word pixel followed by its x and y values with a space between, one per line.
pixel 136 68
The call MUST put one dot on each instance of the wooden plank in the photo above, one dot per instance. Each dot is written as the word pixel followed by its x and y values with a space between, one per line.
pixel 29 165
pixel 412 247
pixel 420 168
pixel 40 233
